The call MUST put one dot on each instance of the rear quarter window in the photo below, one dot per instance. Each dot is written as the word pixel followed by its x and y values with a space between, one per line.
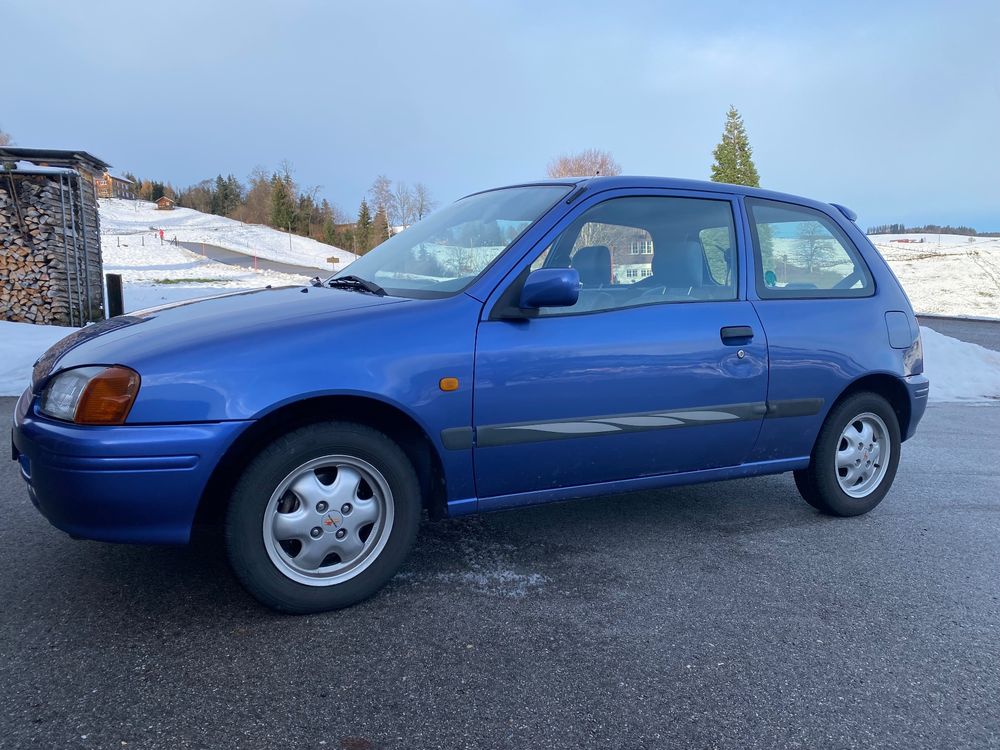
pixel 802 253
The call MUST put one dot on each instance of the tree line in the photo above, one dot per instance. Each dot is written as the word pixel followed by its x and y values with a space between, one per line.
pixel 275 199
pixel 928 229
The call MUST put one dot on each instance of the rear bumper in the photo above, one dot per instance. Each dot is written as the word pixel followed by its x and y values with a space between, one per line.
pixel 918 387
pixel 132 483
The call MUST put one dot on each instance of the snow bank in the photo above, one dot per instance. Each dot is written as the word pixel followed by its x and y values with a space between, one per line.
pixel 20 345
pixel 121 218
pixel 958 370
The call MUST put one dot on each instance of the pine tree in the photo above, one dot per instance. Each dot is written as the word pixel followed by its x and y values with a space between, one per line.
pixel 219 197
pixel 363 228
pixel 733 156
pixel 329 232
pixel 306 215
pixel 282 204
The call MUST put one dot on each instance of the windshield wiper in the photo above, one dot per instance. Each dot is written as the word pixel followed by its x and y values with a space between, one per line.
pixel 356 282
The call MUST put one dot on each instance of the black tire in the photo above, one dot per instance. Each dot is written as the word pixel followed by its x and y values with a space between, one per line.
pixel 818 484
pixel 244 535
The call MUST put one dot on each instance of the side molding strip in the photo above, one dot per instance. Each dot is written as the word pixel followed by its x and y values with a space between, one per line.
pixel 794 407
pixel 457 438
pixel 514 433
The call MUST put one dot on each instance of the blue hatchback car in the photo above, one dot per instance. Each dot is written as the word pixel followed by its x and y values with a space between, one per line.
pixel 527 344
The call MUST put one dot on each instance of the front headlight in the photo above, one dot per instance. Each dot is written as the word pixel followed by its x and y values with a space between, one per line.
pixel 91 395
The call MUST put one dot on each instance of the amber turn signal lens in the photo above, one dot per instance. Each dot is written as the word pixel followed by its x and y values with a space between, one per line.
pixel 108 397
pixel 448 384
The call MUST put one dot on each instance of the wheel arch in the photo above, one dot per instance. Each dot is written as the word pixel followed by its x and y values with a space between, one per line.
pixel 888 386
pixel 373 412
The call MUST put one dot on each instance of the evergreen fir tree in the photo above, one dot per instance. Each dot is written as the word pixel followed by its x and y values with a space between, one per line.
pixel 329 232
pixel 733 156
pixel 305 215
pixel 282 204
pixel 234 192
pixel 219 197
pixel 363 228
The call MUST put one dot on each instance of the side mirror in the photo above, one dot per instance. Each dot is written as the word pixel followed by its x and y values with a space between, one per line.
pixel 550 287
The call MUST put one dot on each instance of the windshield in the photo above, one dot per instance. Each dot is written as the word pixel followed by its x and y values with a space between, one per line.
pixel 447 251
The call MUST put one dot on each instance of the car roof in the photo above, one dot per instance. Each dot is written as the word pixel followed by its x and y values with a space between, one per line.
pixel 601 183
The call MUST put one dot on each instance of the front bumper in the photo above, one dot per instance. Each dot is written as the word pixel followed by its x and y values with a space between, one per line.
pixel 918 388
pixel 129 483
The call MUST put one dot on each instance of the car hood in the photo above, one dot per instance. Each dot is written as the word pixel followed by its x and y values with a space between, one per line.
pixel 196 323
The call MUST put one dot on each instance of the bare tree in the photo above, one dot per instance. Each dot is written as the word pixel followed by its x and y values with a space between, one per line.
pixel 381 193
pixel 816 250
pixel 423 204
pixel 5 139
pixel 256 209
pixel 198 197
pixel 403 205
pixel 587 163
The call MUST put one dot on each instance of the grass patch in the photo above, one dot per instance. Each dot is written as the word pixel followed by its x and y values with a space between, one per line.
pixel 195 280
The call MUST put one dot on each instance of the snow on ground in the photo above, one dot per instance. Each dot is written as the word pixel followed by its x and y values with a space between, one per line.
pixel 121 217
pixel 958 370
pixel 946 274
pixel 20 345
pixel 154 274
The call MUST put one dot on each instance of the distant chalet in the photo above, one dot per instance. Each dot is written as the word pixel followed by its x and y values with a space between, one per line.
pixel 163 203
pixel 112 186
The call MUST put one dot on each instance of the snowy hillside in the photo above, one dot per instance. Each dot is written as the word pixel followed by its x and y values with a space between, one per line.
pixel 949 274
pixel 154 274
pixel 125 217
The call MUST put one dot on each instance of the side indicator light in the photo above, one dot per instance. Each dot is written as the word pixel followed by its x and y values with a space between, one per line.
pixel 448 384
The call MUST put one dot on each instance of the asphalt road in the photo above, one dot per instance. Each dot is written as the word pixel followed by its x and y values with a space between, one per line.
pixel 233 258
pixel 729 615
pixel 984 333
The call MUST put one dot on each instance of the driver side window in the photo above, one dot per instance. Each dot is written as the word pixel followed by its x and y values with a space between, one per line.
pixel 647 250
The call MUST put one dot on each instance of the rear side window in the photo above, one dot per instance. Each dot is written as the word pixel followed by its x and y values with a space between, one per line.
pixel 801 252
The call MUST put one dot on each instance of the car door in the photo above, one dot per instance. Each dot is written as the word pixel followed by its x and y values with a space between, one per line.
pixel 660 367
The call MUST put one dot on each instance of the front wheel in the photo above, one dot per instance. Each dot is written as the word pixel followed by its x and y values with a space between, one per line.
pixel 855 457
pixel 323 517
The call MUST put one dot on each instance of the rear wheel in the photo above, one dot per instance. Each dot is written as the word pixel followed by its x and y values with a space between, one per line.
pixel 323 517
pixel 855 457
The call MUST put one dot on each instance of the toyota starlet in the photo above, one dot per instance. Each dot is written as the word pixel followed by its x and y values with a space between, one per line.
pixel 523 345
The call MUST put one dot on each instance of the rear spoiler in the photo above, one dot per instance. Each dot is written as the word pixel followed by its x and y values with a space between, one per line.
pixel 845 211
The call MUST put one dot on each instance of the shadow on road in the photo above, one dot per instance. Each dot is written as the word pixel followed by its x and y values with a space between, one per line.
pixel 504 554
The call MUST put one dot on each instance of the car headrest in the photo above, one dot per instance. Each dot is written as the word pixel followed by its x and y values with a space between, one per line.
pixel 593 263
pixel 680 265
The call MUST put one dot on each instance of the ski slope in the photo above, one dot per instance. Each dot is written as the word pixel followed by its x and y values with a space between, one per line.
pixel 141 219
pixel 154 274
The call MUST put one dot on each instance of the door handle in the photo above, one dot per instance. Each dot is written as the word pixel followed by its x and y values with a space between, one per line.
pixel 736 335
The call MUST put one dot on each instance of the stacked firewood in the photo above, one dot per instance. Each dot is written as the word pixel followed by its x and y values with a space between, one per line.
pixel 50 252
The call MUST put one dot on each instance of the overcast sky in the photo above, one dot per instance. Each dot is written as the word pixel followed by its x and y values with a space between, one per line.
pixel 890 108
